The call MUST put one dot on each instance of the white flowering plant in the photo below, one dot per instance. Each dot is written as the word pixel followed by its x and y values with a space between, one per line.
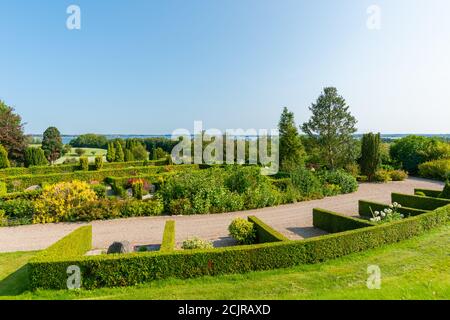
pixel 387 215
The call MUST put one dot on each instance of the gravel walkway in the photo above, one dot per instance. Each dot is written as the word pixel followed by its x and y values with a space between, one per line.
pixel 293 220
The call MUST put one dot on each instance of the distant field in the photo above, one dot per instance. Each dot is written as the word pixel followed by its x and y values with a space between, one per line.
pixel 91 153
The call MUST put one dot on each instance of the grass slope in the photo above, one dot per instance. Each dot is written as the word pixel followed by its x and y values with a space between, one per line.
pixel 418 268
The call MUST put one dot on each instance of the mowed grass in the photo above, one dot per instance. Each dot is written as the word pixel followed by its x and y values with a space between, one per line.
pixel 418 268
pixel 90 153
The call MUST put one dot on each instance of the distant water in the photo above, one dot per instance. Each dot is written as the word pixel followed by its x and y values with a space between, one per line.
pixel 67 138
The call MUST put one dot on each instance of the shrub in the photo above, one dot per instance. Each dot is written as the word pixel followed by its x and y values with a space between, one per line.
pixel 330 190
pixel 180 207
pixel 3 219
pixel 242 231
pixel 438 169
pixel 59 199
pixel 398 175
pixel 353 169
pixel 139 208
pixel 3 189
pixel 168 241
pixel 445 194
pixel 412 150
pixel 80 151
pixel 84 164
pixel 138 189
pixel 306 182
pixel 346 182
pixel 100 190
pixel 382 176
pixel 196 243
pixel 99 163
pixel 4 161
pixel 123 270
pixel 18 208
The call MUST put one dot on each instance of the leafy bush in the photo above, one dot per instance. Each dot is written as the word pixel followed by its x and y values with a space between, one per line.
pixel 18 208
pixel 438 169
pixel 345 181
pixel 382 176
pixel 99 163
pixel 306 182
pixel 56 201
pixel 84 164
pixel 398 175
pixel 196 243
pixel 80 151
pixel 445 194
pixel 412 150
pixel 242 231
pixel 100 190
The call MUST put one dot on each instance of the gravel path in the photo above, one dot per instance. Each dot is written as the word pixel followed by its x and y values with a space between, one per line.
pixel 293 220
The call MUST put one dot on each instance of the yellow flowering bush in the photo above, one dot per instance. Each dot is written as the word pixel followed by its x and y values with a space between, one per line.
pixel 57 200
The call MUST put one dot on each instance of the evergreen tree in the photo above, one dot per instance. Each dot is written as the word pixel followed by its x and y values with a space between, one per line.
pixel 332 127
pixel 370 154
pixel 128 155
pixel 98 163
pixel 4 161
pixel 35 157
pixel 111 154
pixel 52 144
pixel 291 148
pixel 119 155
pixel 154 154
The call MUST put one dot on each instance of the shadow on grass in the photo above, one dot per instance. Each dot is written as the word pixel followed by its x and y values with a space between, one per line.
pixel 16 283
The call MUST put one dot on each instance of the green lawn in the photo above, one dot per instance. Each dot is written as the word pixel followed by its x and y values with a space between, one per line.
pixel 414 269
pixel 91 153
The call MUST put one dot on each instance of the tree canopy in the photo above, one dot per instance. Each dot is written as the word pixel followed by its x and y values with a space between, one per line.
pixel 12 136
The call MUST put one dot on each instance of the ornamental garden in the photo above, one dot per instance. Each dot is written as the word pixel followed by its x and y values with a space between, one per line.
pixel 93 178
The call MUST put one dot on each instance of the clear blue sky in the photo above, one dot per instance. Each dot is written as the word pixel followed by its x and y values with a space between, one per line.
pixel 149 67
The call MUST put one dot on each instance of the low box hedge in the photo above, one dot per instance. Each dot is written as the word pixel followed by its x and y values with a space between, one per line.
pixel 135 268
pixel 365 209
pixel 429 192
pixel 27 195
pixel 265 233
pixel 18 183
pixel 333 222
pixel 418 202
pixel 67 168
pixel 168 241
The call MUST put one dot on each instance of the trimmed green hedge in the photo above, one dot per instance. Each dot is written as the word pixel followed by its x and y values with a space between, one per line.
pixel 67 168
pixel 135 268
pixel 18 183
pixel 364 208
pixel 417 202
pixel 27 195
pixel 429 192
pixel 168 241
pixel 265 233
pixel 333 222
